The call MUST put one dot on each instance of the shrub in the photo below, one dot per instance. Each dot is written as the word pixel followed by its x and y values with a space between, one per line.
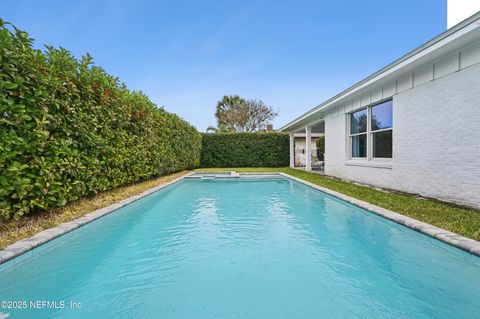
pixel 321 147
pixel 68 129
pixel 245 150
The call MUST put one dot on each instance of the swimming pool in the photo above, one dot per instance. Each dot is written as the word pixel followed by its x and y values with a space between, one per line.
pixel 263 247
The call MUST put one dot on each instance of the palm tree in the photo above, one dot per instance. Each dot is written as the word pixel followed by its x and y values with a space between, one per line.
pixel 235 114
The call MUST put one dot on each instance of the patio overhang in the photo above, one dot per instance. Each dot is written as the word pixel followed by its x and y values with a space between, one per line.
pixel 307 157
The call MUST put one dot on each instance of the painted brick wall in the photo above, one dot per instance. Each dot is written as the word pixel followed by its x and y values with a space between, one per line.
pixel 436 141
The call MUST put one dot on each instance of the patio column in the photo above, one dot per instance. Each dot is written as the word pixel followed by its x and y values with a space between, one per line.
pixel 292 149
pixel 308 148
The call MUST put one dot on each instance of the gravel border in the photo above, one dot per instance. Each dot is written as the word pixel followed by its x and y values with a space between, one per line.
pixel 469 245
pixel 25 245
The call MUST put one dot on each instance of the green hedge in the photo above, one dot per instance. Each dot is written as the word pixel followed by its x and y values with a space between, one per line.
pixel 68 129
pixel 245 150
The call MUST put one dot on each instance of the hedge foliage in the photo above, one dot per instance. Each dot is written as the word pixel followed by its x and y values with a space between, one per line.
pixel 68 129
pixel 245 150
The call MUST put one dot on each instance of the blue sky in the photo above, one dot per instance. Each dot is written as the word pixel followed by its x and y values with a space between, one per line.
pixel 185 55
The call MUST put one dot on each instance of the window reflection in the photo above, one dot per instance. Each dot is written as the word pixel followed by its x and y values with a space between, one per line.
pixel 359 122
pixel 382 116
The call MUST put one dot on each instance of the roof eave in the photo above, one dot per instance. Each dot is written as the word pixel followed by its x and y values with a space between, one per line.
pixel 443 36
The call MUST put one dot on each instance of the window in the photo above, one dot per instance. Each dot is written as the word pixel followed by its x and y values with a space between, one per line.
pixel 358 133
pixel 381 127
pixel 372 125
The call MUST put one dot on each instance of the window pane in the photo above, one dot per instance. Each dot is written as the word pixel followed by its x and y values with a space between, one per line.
pixel 382 144
pixel 359 145
pixel 358 122
pixel 382 116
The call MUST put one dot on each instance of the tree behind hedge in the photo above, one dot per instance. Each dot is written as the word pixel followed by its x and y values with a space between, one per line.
pixel 259 149
pixel 68 129
pixel 236 114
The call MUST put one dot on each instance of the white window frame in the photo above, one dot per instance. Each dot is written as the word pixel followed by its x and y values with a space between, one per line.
pixel 351 160
pixel 350 137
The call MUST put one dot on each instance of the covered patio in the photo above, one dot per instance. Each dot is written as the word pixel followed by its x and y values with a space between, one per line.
pixel 303 149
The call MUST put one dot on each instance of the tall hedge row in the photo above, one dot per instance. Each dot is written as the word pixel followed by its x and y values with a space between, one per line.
pixel 245 150
pixel 68 129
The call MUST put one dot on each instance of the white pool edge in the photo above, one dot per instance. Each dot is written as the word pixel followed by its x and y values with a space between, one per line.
pixel 469 245
pixel 23 246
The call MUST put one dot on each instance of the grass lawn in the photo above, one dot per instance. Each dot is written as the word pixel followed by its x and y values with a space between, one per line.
pixel 463 221
pixel 460 220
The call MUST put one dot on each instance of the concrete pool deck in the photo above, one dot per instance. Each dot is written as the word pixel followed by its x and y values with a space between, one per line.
pixel 24 246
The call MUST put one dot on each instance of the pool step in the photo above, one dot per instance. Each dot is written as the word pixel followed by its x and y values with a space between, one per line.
pixel 213 175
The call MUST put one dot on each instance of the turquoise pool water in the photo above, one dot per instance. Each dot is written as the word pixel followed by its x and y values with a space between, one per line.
pixel 243 248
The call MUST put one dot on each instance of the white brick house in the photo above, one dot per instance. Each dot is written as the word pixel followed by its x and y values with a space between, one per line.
pixel 413 126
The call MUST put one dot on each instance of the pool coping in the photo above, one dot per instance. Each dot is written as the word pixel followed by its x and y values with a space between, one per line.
pixel 467 244
pixel 28 244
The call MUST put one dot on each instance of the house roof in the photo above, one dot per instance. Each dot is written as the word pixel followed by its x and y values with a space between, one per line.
pixel 457 36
